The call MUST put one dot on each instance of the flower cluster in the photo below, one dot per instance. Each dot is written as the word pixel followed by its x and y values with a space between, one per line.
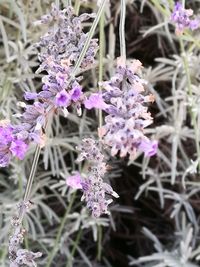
pixel 33 121
pixel 93 187
pixel 60 49
pixel 18 256
pixel 15 138
pixel 127 114
pixel 181 18
pixel 11 144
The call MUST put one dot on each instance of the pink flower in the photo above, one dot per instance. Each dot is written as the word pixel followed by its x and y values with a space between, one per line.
pixel 149 147
pixel 95 101
pixel 74 181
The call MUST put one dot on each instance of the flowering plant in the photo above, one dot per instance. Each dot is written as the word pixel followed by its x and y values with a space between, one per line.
pixel 84 114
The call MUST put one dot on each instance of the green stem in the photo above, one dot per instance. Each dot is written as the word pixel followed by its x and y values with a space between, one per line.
pixel 20 196
pixel 122 30
pixel 58 236
pixel 99 243
pixel 77 6
pixel 3 255
pixel 32 173
pixel 101 56
pixel 89 37
pixel 69 2
pixel 160 8
pixel 69 262
pixel 57 3
pixel 20 186
pixel 192 113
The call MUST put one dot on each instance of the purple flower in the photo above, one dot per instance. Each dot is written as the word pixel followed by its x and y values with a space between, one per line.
pixel 6 137
pixel 17 255
pixel 95 190
pixel 60 48
pixel 95 101
pixel 45 87
pixel 6 134
pixel 181 17
pixel 30 96
pixel 194 24
pixel 62 99
pixel 74 181
pixel 76 93
pixel 33 121
pixel 60 78
pixel 18 148
pixel 127 111
pixel 148 147
pixel 5 158
pixel 10 145
pixel 93 187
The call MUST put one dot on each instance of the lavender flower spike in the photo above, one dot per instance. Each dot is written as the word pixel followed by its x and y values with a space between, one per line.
pixel 127 114
pixel 181 18
pixel 60 48
pixel 95 190
pixel 18 256
pixel 11 144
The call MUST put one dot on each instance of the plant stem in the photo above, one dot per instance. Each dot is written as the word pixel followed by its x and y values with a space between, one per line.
pixel 160 8
pixel 29 184
pixel 69 262
pixel 89 37
pixel 58 236
pixel 77 6
pixel 20 186
pixel 3 255
pixel 101 56
pixel 57 2
pixel 99 243
pixel 32 173
pixel 69 2
pixel 192 113
pixel 122 30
